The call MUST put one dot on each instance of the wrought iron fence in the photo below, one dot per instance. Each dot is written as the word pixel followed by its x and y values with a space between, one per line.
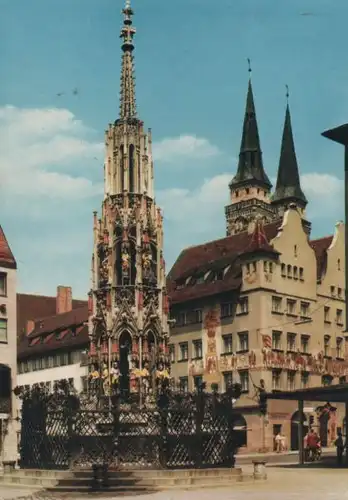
pixel 62 431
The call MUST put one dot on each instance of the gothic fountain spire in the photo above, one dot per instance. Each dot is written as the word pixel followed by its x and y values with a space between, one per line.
pixel 127 91
pixel 128 301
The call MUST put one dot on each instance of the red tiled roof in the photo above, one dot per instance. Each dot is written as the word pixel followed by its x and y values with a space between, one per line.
pixel 195 259
pixel 320 247
pixel 7 259
pixel 259 241
pixel 60 321
pixel 198 259
pixel 78 340
pixel 37 306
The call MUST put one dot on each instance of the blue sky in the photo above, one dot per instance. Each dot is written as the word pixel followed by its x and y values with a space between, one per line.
pixel 191 80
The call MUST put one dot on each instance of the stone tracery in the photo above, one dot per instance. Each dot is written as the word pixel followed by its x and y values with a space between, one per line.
pixel 128 296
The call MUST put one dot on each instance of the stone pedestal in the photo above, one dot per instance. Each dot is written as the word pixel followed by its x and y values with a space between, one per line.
pixel 259 469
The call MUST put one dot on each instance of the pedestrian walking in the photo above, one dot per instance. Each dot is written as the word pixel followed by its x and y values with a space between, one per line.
pixel 339 447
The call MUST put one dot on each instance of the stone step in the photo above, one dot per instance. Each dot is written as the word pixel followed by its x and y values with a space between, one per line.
pixel 149 481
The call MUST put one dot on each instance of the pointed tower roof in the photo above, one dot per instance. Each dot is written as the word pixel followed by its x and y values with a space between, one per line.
pixel 127 91
pixel 250 165
pixel 288 185
pixel 7 259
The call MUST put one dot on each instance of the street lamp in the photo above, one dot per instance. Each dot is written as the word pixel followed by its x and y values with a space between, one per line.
pixel 340 135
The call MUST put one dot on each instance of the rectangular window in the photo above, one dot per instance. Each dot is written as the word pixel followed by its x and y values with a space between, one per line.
pixel 197 349
pixel 226 309
pixel 276 380
pixel 227 344
pixel 198 315
pixel 50 361
pixel 339 293
pixel 276 305
pixel 291 342
pixel 3 284
pixel 183 384
pixel 301 273
pixel 276 340
pixel 304 344
pixel 243 305
pixel 326 380
pixel 183 346
pixel 197 381
pixel 291 307
pixel 327 345
pixel 3 331
pixel 228 380
pixel 181 319
pixel 304 380
pixel 339 317
pixel 304 310
pixel 327 314
pixel 244 380
pixel 172 353
pixel 291 380
pixel 243 341
pixel 339 348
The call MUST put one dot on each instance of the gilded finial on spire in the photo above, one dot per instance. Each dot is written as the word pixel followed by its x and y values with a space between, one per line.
pixel 127 93
pixel 249 66
pixel 287 93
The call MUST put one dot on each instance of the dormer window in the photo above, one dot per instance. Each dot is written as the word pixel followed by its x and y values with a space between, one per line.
pixel 220 275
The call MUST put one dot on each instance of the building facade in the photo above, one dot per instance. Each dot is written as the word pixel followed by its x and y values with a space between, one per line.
pixel 265 303
pixel 52 347
pixel 8 352
pixel 128 302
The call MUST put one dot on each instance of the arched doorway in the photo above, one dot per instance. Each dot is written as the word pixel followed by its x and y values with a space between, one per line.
pixel 295 423
pixel 125 343
pixel 240 426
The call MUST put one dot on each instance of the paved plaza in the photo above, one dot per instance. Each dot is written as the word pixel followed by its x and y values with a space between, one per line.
pixel 288 482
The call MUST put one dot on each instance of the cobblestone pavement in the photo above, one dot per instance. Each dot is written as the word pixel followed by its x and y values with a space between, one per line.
pixel 288 482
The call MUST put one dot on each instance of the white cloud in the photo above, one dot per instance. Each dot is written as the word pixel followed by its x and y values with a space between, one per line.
pixel 170 150
pixel 196 211
pixel 324 193
pixel 35 144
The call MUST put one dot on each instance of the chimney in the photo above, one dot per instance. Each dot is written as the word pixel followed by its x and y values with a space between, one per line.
pixel 64 299
pixel 29 327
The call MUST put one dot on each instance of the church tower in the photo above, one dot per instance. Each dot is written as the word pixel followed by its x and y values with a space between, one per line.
pixel 128 304
pixel 250 187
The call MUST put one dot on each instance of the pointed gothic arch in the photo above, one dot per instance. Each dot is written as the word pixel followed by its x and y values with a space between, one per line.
pixel 132 183
pixel 122 169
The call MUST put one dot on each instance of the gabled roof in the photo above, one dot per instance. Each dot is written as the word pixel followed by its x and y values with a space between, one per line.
pixel 7 259
pixel 259 241
pixel 320 247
